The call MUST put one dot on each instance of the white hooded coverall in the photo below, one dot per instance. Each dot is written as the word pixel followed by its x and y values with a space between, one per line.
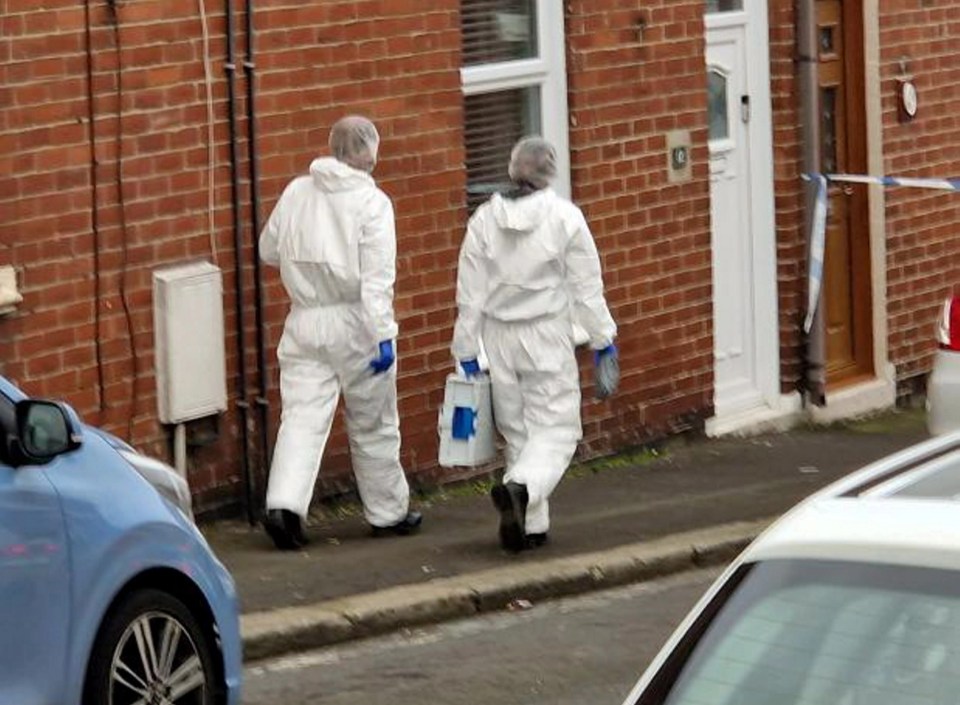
pixel 529 268
pixel 332 234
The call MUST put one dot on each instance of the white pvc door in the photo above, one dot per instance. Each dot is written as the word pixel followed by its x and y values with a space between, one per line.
pixel 736 386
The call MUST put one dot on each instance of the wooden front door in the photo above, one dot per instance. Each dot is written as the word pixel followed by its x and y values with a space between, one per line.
pixel 846 280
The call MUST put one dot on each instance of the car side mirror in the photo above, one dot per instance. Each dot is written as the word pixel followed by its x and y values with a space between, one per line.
pixel 46 429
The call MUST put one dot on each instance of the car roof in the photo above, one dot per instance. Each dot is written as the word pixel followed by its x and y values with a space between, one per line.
pixel 903 509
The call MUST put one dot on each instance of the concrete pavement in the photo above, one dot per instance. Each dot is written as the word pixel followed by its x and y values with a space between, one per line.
pixel 693 502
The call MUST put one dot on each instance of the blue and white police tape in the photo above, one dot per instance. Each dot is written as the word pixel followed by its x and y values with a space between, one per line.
pixel 818 243
pixel 906 181
pixel 818 226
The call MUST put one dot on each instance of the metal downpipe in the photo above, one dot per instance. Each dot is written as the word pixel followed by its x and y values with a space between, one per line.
pixel 263 404
pixel 242 404
pixel 814 357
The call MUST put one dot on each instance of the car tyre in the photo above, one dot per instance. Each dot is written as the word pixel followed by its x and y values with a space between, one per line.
pixel 151 649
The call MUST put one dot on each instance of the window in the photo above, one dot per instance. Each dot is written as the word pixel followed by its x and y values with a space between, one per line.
pixel 495 122
pixel 724 5
pixel 828 129
pixel 717 105
pixel 498 30
pixel 514 84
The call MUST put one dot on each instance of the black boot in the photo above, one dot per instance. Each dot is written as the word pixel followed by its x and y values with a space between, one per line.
pixel 286 529
pixel 537 540
pixel 410 524
pixel 511 501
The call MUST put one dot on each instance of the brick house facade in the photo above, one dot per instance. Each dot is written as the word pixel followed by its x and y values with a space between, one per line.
pixel 108 173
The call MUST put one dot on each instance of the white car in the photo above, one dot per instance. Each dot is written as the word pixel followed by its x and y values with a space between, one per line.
pixel 851 598
pixel 943 385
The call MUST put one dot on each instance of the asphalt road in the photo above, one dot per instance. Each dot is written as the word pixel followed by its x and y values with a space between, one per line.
pixel 586 651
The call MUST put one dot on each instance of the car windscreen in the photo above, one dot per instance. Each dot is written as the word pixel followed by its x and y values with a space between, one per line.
pixel 801 632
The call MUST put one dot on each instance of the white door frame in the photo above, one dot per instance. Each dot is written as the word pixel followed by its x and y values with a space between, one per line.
pixel 766 324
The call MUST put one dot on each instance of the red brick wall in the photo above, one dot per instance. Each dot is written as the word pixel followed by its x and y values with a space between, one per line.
pixel 788 191
pixel 392 61
pixel 923 227
pixel 44 155
pixel 152 158
pixel 627 89
pixel 397 62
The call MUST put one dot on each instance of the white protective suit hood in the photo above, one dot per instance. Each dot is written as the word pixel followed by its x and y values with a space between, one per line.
pixel 520 215
pixel 333 176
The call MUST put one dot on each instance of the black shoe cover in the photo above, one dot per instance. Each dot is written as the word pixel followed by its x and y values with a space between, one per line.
pixel 410 524
pixel 537 540
pixel 286 529
pixel 511 501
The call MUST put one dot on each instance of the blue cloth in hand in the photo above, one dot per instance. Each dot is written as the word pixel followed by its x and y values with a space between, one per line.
pixel 607 373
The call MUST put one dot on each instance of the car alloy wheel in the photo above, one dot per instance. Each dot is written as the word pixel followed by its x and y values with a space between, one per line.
pixel 156 663
pixel 152 651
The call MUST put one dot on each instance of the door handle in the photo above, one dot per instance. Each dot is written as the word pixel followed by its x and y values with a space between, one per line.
pixel 848 190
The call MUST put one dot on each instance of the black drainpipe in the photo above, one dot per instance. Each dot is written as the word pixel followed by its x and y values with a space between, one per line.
pixel 263 405
pixel 242 404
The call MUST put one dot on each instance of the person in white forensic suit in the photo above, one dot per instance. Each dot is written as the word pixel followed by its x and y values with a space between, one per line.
pixel 528 273
pixel 332 235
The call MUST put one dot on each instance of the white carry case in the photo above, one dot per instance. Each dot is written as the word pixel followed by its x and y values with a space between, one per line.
pixel 466 422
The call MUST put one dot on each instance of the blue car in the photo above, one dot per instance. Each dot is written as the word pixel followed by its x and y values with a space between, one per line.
pixel 109 595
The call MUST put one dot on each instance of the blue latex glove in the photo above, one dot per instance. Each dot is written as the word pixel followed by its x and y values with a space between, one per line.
pixel 384 361
pixel 471 368
pixel 607 373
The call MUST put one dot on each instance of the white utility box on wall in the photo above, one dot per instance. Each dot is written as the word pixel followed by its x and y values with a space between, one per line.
pixel 190 357
pixel 9 296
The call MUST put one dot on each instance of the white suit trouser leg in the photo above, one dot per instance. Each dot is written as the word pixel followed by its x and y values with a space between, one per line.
pixel 536 400
pixel 309 390
pixel 373 425
pixel 311 380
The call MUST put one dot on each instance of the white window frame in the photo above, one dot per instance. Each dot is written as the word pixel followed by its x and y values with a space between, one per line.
pixel 548 72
